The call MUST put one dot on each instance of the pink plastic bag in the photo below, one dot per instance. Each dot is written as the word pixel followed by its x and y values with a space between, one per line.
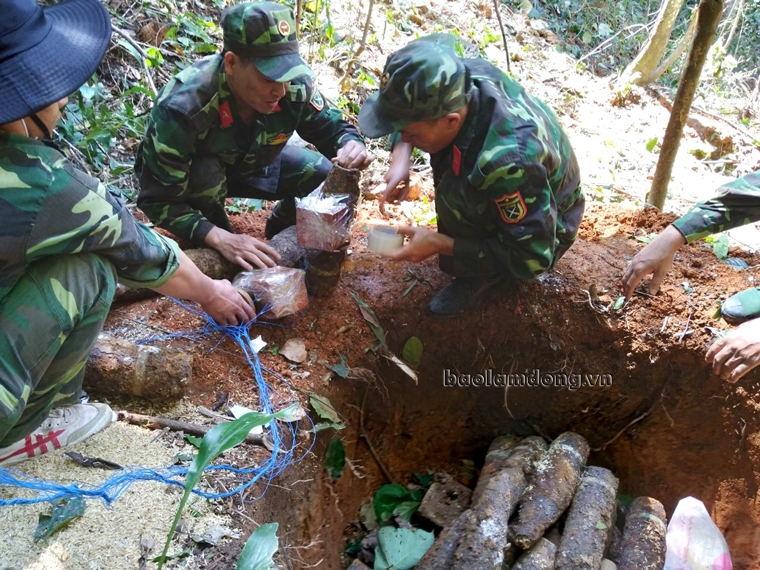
pixel 694 542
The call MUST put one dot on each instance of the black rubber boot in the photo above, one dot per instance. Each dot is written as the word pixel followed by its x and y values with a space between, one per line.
pixel 282 217
pixel 461 295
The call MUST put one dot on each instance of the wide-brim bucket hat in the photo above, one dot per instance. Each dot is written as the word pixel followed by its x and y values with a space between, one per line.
pixel 47 54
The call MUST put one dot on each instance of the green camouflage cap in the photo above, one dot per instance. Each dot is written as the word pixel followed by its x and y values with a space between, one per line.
pixel 265 33
pixel 422 81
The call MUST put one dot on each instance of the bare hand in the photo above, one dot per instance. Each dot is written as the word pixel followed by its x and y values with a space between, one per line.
pixel 353 155
pixel 243 250
pixel 736 353
pixel 656 258
pixel 422 244
pixel 398 172
pixel 225 304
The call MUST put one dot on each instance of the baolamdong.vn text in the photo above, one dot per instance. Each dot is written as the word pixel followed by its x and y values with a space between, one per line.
pixel 533 379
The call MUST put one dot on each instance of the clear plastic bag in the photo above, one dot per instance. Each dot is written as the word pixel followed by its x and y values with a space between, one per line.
pixel 323 221
pixel 694 542
pixel 277 291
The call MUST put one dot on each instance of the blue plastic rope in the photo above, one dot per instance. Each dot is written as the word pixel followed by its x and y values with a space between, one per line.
pixel 281 457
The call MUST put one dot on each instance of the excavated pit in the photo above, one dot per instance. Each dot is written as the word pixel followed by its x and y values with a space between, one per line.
pixel 664 424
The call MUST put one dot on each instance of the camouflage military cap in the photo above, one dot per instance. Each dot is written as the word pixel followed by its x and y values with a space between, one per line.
pixel 265 33
pixel 422 81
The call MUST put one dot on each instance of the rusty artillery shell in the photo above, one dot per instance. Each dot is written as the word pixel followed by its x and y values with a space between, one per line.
pixel 485 537
pixel 589 522
pixel 539 557
pixel 556 479
pixel 441 555
pixel 497 455
pixel 644 536
pixel 123 368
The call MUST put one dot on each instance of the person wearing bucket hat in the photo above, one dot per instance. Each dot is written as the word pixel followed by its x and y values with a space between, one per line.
pixel 66 240
pixel 220 129
pixel 508 195
pixel 736 204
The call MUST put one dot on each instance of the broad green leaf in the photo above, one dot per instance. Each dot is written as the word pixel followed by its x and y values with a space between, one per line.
pixel 619 303
pixel 335 458
pixel 401 548
pixel 324 408
pixel 371 318
pixel 327 425
pixel 600 525
pixel 341 369
pixel 387 500
pixel 720 247
pixel 259 549
pixel 406 509
pixel 193 440
pixel 412 352
pixel 651 144
pixel 367 516
pixel 219 439
pixel 65 510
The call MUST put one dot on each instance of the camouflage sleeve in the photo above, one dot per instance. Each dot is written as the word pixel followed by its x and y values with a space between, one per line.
pixel 323 125
pixel 737 204
pixel 79 215
pixel 163 167
pixel 521 204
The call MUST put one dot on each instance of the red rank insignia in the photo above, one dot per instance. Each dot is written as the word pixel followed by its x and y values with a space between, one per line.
pixel 225 114
pixel 511 207
pixel 456 161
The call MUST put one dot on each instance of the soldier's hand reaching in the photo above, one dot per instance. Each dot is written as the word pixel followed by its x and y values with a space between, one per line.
pixel 736 353
pixel 656 258
pixel 422 244
pixel 353 155
pixel 243 250
pixel 398 172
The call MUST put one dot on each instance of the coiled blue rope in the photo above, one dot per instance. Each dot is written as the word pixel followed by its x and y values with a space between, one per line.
pixel 282 456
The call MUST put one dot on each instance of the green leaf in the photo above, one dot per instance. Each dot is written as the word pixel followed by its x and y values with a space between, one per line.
pixel 720 247
pixel 424 480
pixel 371 318
pixel 651 144
pixel 219 439
pixel 412 352
pixel 401 548
pixel 341 369
pixel 367 516
pixel 327 425
pixel 736 262
pixel 389 498
pixel 259 549
pixel 619 303
pixel 324 408
pixel 335 458
pixel 65 510
pixel 600 525
pixel 196 441
pixel 406 509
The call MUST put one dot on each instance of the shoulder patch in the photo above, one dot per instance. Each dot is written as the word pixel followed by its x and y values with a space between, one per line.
pixel 280 138
pixel 317 101
pixel 225 115
pixel 511 208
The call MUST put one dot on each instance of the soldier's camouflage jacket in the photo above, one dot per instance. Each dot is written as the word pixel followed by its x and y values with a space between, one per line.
pixel 49 208
pixel 195 115
pixel 508 189
pixel 737 204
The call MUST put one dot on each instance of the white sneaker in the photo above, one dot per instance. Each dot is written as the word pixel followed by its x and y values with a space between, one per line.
pixel 64 426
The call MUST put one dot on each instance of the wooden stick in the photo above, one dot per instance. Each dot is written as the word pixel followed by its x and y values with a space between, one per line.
pixel 155 422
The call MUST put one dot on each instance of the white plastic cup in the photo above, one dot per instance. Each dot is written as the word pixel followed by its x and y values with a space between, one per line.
pixel 385 239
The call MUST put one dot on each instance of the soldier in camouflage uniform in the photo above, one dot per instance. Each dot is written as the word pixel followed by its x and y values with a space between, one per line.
pixel 507 184
pixel 65 238
pixel 737 204
pixel 220 128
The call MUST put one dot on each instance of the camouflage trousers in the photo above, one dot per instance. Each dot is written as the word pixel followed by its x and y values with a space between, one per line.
pixel 49 323
pixel 295 173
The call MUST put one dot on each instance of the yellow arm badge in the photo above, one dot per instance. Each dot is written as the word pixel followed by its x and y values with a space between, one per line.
pixel 317 101
pixel 511 208
pixel 281 138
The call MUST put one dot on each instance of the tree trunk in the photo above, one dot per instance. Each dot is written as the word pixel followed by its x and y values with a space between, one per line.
pixel 682 44
pixel 734 25
pixel 707 23
pixel 651 54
